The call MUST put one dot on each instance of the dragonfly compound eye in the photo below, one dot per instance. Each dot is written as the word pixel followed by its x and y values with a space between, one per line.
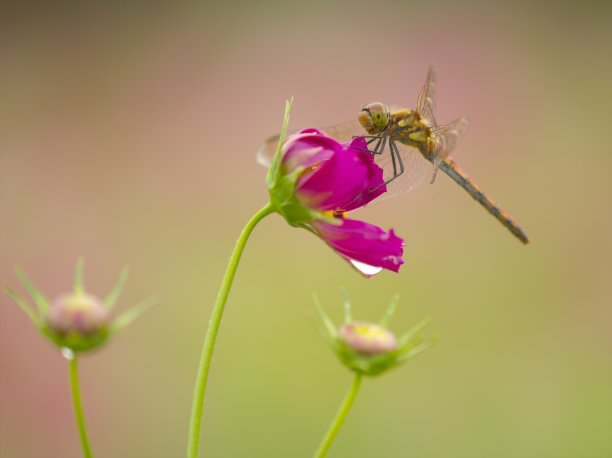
pixel 374 118
pixel 380 115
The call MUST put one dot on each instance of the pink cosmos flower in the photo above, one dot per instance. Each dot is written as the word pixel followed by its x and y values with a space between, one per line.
pixel 332 179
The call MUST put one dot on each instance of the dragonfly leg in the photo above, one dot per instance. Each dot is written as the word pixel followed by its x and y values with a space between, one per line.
pixel 399 158
pixel 370 139
pixel 395 156
pixel 377 147
pixel 396 161
pixel 393 161
pixel 382 148
pixel 380 144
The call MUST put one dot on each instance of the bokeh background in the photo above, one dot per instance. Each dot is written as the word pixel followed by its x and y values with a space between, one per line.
pixel 128 136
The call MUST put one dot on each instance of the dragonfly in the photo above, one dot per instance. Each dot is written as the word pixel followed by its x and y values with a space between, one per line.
pixel 406 144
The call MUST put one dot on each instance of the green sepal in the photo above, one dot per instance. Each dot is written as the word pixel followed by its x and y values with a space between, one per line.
pixel 420 348
pixel 274 170
pixel 39 298
pixel 127 317
pixel 330 334
pixel 406 338
pixel 23 304
pixel 385 320
pixel 364 364
pixel 79 284
pixel 348 316
pixel 282 196
pixel 111 299
pixel 75 341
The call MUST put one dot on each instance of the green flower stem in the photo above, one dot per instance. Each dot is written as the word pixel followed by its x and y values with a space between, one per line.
pixel 78 407
pixel 340 417
pixel 197 406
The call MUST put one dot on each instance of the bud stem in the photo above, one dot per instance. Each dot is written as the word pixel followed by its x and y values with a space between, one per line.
pixel 78 407
pixel 193 446
pixel 340 417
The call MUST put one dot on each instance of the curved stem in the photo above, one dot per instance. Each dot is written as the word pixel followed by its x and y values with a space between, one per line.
pixel 340 417
pixel 193 446
pixel 78 407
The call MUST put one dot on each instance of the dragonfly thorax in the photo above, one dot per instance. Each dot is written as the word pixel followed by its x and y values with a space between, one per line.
pixel 408 127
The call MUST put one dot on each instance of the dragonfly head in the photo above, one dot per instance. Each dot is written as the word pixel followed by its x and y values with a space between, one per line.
pixel 374 117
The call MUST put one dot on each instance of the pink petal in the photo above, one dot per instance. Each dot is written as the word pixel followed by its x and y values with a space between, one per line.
pixel 364 245
pixel 374 184
pixel 342 177
pixel 335 183
pixel 308 148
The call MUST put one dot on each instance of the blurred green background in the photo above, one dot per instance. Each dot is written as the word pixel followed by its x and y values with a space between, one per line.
pixel 128 136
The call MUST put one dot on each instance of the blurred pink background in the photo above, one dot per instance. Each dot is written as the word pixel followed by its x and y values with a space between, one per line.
pixel 128 135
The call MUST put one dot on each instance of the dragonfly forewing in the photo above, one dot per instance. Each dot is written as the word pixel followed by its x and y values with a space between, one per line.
pixel 341 132
pixel 426 102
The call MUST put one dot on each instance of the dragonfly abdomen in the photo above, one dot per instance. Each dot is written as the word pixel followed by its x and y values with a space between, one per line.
pixel 452 169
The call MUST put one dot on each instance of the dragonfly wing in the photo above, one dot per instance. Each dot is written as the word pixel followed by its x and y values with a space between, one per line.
pixel 445 138
pixel 341 132
pixel 266 151
pixel 451 133
pixel 345 132
pixel 416 167
pixel 426 103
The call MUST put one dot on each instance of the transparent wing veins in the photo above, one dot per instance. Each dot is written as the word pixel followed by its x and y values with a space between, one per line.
pixel 341 132
pixel 426 102
pixel 451 133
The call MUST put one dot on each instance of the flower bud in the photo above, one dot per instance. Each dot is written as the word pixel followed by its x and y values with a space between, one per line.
pixel 371 348
pixel 78 321
pixel 367 338
pixel 81 313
